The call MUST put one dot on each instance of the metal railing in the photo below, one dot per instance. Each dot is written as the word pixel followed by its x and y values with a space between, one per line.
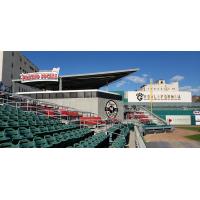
pixel 139 140
pixel 162 121
pixel 33 104
pixel 39 107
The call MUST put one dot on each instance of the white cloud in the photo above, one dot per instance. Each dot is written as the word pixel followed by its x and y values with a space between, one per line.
pixel 145 75
pixel 137 79
pixel 177 78
pixel 120 83
pixel 195 91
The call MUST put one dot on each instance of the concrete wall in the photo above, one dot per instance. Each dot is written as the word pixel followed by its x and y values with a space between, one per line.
pixel 81 104
pixel 1 64
pixel 101 108
pixel 94 105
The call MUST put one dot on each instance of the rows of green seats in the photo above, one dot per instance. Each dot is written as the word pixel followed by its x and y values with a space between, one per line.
pixel 125 131
pixel 119 142
pixel 121 139
pixel 15 135
pixel 61 139
pixel 14 117
pixel 100 140
pixel 130 126
pixel 117 129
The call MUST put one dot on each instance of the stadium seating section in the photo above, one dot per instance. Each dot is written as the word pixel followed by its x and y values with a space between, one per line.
pixel 21 129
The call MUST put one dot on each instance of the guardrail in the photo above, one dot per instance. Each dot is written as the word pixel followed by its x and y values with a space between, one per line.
pixel 32 105
pixel 19 100
pixel 157 117
pixel 139 140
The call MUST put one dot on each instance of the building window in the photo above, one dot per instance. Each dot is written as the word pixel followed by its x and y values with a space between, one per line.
pixel 60 95
pixel 80 94
pixel 73 95
pixel 11 76
pixel 32 69
pixel 66 95
pixel 88 94
pixel 13 53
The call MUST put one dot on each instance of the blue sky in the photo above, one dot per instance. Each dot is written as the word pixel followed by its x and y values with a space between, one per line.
pixel 171 66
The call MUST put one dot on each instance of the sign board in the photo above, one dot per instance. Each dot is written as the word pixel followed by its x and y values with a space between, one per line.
pixel 178 119
pixel 159 97
pixel 40 76
pixel 196 112
pixel 197 119
pixel 111 109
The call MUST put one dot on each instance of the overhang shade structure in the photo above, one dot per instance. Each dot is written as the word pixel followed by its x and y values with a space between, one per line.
pixel 80 81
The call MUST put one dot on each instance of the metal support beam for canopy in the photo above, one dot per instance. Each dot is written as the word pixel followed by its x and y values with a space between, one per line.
pixel 60 84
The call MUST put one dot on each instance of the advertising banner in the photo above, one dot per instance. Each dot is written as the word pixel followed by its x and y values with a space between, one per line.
pixel 40 76
pixel 197 118
pixel 140 96
pixel 178 119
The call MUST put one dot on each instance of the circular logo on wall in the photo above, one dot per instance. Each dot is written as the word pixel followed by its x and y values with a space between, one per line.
pixel 196 112
pixel 139 96
pixel 111 109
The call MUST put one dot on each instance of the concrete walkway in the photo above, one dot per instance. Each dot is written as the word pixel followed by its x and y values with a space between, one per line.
pixel 131 143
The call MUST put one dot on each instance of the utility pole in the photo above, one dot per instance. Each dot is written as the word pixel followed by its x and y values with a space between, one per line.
pixel 151 95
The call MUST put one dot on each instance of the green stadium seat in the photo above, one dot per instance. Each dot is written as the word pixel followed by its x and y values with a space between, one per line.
pixel 14 117
pixel 51 122
pixel 42 117
pixel 4 117
pixel 23 123
pixel 23 118
pixel 3 138
pixel 40 142
pixel 7 145
pixel 6 113
pixel 59 139
pixel 39 123
pixel 3 124
pixel 32 123
pixel 25 132
pixel 119 142
pixel 46 122
pixel 26 144
pixel 43 129
pixel 13 123
pixel 13 134
pixel 35 130
pixel 51 128
pixel 58 127
pixel 51 140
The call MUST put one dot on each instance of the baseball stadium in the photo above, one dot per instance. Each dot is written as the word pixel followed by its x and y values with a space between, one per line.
pixel 43 109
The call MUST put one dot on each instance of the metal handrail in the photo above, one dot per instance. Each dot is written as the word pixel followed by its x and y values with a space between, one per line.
pixel 29 107
pixel 46 103
pixel 157 117
pixel 139 140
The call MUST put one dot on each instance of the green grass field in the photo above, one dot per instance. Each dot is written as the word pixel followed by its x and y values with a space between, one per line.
pixel 194 137
pixel 191 128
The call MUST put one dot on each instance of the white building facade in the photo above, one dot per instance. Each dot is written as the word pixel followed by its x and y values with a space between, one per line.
pixel 160 92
